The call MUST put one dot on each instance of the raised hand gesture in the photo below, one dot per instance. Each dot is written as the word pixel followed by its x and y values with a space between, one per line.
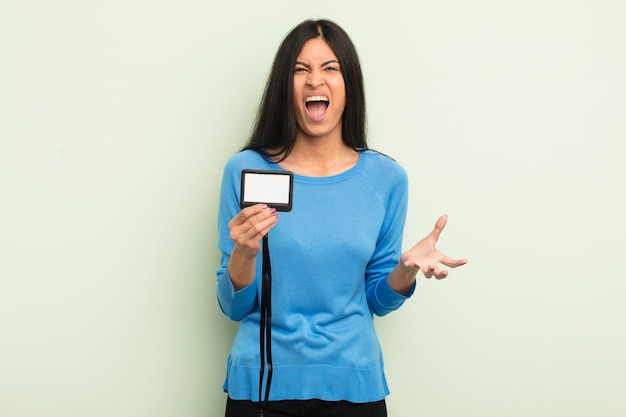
pixel 425 255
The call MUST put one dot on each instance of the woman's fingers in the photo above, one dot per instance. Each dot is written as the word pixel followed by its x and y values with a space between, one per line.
pixel 428 271
pixel 453 263
pixel 247 215
pixel 439 226
pixel 434 271
pixel 251 224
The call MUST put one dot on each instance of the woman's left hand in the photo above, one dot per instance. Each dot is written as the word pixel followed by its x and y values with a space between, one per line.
pixel 425 255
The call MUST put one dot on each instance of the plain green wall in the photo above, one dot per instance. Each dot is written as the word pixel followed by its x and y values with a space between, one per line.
pixel 116 118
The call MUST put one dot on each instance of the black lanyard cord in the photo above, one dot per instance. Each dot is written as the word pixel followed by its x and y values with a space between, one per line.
pixel 265 337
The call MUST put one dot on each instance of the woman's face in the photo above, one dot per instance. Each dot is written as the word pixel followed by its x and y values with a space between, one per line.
pixel 319 91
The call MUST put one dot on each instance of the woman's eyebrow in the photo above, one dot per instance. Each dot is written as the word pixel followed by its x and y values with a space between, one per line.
pixel 332 61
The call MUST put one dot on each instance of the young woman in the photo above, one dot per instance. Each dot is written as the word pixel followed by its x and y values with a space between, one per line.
pixel 336 256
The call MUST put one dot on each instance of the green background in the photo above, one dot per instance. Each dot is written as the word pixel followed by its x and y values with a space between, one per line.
pixel 116 119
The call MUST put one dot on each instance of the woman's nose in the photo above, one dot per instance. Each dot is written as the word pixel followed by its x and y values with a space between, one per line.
pixel 315 79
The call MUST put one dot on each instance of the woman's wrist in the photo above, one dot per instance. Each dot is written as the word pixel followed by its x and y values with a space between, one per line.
pixel 402 278
pixel 241 268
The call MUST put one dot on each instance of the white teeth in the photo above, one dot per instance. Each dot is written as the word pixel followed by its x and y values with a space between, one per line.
pixel 316 98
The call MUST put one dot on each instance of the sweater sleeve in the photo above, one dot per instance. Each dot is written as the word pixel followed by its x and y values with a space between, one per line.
pixel 234 304
pixel 381 297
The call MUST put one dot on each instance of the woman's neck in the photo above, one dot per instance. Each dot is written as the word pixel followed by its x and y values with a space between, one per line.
pixel 320 158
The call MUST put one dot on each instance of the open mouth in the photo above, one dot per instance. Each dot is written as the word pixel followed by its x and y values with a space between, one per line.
pixel 316 106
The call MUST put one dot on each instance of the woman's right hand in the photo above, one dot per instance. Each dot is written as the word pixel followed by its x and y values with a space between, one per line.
pixel 246 230
pixel 249 226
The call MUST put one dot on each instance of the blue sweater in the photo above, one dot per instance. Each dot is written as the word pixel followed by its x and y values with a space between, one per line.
pixel 331 255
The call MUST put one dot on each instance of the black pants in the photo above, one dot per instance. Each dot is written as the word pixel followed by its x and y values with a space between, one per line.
pixel 306 408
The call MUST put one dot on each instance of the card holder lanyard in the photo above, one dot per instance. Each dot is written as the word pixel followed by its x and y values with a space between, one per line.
pixel 265 336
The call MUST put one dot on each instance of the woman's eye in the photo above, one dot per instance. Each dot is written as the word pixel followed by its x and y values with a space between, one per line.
pixel 300 69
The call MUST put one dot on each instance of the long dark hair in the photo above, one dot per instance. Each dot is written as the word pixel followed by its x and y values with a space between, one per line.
pixel 275 126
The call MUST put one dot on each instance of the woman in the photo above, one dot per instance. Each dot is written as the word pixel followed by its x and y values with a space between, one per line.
pixel 336 256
